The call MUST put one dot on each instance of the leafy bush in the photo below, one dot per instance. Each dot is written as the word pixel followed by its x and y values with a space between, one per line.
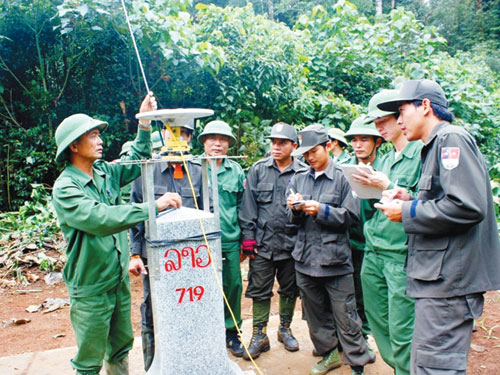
pixel 251 70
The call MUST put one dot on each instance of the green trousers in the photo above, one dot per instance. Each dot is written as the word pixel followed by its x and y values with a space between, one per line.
pixel 389 311
pixel 233 286
pixel 103 328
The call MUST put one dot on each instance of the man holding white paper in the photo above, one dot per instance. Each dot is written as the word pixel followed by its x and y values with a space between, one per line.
pixel 454 249
pixel 365 141
pixel 389 311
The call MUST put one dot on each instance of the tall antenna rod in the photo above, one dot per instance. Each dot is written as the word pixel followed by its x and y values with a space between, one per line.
pixel 135 46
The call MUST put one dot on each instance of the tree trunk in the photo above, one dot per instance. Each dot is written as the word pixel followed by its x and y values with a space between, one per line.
pixel 393 4
pixel 270 8
pixel 480 17
pixel 378 6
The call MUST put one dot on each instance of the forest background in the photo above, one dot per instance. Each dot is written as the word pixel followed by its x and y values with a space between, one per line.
pixel 253 63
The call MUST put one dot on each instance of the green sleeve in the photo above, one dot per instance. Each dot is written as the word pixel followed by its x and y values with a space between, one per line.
pixel 77 210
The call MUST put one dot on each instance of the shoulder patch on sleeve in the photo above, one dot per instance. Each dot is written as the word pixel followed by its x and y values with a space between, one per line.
pixel 450 157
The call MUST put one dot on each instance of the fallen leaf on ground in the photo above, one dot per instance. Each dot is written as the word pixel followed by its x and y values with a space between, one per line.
pixel 34 308
pixel 53 304
pixel 53 278
pixel 18 322
pixel 477 348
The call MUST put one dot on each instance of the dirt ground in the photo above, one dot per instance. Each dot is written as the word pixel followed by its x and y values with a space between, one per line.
pixel 53 330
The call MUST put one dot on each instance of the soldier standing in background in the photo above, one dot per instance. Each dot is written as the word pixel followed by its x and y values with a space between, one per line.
pixel 269 239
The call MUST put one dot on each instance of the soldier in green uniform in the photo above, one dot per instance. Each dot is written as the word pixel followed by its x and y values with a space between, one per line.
pixel 365 141
pixel 94 221
pixel 216 138
pixel 269 238
pixel 339 145
pixel 389 311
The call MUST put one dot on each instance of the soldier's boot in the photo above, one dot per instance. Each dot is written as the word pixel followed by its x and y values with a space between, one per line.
pixel 329 362
pixel 259 342
pixel 287 307
pixel 286 337
pixel 148 346
pixel 233 343
pixel 117 368
pixel 357 370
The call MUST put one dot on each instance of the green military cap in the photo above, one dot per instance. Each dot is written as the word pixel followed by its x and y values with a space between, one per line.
pixel 282 130
pixel 310 137
pixel 359 127
pixel 72 128
pixel 383 96
pixel 419 89
pixel 217 127
pixel 338 134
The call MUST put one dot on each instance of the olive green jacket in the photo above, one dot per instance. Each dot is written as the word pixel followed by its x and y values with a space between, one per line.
pixel 381 233
pixel 94 221
pixel 230 177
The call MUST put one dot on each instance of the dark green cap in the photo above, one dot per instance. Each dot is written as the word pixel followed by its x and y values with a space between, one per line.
pixel 419 89
pixel 310 137
pixel 282 130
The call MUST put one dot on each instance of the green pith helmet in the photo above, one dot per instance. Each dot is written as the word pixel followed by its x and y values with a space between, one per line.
pixel 383 96
pixel 217 127
pixel 126 148
pixel 72 128
pixel 156 140
pixel 359 127
pixel 339 135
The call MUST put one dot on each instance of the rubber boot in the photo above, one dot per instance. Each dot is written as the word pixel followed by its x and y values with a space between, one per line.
pixel 148 346
pixel 287 307
pixel 372 357
pixel 117 368
pixel 329 362
pixel 259 342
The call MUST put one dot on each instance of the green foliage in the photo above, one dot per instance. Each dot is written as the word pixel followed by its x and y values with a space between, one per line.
pixel 24 235
pixel 321 65
pixel 34 223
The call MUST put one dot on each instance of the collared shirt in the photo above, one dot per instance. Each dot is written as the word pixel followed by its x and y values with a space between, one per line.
pixel 343 158
pixel 230 177
pixel 366 208
pixel 164 182
pixel 322 247
pixel 453 244
pixel 94 222
pixel 263 215
pixel 403 170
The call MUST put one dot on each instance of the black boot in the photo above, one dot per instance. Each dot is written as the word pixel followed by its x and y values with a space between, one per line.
pixel 259 342
pixel 233 343
pixel 286 337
